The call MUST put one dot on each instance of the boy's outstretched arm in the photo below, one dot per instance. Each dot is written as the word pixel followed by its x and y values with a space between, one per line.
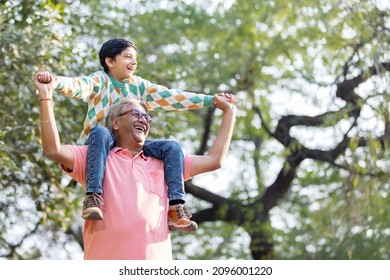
pixel 158 97
pixel 78 87
pixel 51 144
pixel 217 153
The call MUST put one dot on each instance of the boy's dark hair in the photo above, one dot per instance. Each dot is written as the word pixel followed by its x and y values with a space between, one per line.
pixel 112 48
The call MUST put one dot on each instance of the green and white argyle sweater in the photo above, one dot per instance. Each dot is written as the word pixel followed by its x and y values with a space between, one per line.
pixel 100 90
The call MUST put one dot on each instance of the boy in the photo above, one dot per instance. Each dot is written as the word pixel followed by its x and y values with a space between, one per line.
pixel 100 90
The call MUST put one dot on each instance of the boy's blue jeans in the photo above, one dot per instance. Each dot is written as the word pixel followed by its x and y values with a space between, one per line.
pixel 101 140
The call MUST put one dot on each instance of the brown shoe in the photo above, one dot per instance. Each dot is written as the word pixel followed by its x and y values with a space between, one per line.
pixel 92 207
pixel 179 219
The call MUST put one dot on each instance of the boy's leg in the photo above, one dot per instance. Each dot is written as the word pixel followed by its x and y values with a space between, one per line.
pixel 100 142
pixel 170 152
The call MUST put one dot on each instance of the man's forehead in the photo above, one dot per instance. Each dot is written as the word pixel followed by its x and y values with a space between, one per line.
pixel 135 106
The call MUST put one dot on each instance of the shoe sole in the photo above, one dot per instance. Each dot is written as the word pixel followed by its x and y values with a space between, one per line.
pixel 189 228
pixel 93 216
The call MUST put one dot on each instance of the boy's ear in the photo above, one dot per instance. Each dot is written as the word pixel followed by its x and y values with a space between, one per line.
pixel 109 61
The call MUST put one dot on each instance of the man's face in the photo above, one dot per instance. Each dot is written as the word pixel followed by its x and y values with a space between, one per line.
pixel 124 64
pixel 133 125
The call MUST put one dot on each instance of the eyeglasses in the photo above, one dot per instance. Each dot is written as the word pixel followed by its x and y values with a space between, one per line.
pixel 138 114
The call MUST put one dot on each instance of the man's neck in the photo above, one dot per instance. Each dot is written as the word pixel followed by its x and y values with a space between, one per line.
pixel 133 150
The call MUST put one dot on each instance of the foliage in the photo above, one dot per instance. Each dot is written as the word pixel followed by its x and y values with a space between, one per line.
pixel 308 171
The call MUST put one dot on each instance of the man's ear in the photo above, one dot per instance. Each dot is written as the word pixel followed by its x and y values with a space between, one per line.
pixel 109 62
pixel 114 124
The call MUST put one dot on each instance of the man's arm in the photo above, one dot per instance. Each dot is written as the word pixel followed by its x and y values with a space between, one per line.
pixel 51 144
pixel 214 159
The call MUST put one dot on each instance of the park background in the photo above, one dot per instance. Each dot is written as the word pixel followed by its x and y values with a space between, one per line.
pixel 307 175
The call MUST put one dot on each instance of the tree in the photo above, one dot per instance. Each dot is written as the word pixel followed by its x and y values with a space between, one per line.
pixel 310 148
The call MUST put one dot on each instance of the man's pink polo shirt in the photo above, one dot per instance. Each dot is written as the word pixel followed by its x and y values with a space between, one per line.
pixel 135 211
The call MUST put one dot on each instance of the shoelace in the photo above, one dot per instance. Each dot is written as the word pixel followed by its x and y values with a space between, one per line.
pixel 182 212
pixel 187 213
pixel 94 200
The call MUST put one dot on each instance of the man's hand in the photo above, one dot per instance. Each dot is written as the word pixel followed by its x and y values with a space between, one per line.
pixel 46 77
pixel 227 96
pixel 224 101
pixel 45 84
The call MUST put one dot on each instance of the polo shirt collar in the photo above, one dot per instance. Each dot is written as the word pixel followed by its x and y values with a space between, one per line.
pixel 126 153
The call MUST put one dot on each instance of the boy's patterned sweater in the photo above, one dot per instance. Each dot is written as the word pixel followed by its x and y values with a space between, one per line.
pixel 100 90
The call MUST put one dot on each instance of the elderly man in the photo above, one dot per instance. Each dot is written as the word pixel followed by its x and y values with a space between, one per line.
pixel 136 202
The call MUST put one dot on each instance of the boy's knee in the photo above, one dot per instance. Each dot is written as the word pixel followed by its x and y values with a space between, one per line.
pixel 98 129
pixel 173 145
pixel 174 148
pixel 100 132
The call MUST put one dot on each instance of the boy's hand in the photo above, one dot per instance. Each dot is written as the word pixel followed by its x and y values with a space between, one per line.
pixel 46 77
pixel 224 101
pixel 45 89
pixel 227 96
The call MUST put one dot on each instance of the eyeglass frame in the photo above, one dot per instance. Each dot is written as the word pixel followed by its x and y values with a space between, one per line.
pixel 138 114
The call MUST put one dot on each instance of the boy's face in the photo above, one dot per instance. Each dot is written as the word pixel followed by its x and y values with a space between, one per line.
pixel 124 64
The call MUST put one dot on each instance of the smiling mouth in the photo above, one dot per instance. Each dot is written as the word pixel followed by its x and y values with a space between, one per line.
pixel 140 128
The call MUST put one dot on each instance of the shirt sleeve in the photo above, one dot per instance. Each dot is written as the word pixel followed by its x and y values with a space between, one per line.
pixel 187 167
pixel 82 87
pixel 160 98
pixel 78 173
